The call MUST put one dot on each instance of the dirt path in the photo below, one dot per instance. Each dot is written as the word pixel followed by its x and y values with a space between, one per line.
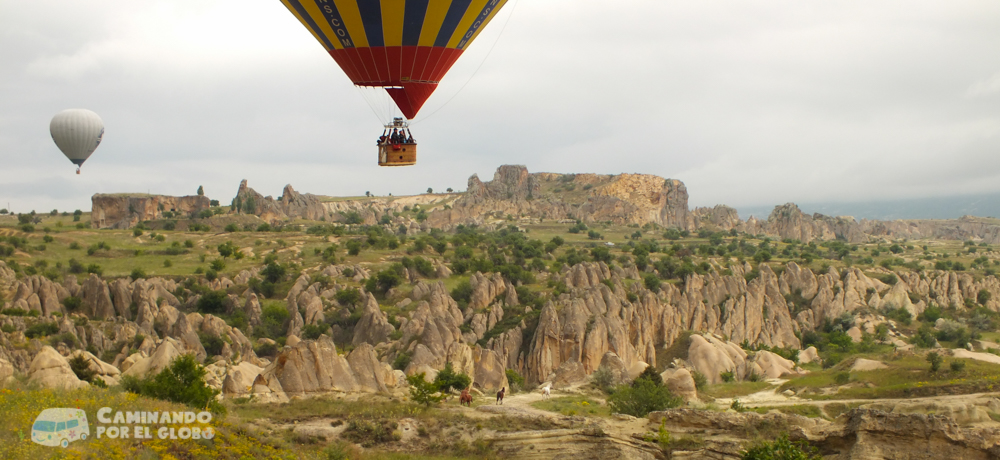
pixel 771 398
pixel 945 399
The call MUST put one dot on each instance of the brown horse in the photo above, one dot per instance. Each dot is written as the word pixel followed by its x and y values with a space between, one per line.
pixel 500 395
pixel 465 398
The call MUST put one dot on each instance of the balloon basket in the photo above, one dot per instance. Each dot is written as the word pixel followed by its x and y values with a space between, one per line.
pixel 397 154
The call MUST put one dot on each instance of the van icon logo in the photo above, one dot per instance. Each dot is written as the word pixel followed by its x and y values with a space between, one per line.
pixel 59 427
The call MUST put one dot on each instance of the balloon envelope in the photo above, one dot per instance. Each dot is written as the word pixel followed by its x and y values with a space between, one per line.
pixel 77 132
pixel 405 46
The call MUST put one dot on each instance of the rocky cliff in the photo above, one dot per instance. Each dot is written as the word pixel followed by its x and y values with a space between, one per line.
pixel 291 205
pixel 567 340
pixel 788 221
pixel 622 199
pixel 125 211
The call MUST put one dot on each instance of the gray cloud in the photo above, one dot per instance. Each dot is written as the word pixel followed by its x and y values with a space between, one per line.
pixel 747 103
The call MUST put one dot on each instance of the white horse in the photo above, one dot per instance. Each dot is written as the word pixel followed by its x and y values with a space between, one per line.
pixel 547 390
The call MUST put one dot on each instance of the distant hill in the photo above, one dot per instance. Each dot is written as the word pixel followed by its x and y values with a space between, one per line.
pixel 950 207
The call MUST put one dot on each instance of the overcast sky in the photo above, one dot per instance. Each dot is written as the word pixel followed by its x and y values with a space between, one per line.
pixel 748 103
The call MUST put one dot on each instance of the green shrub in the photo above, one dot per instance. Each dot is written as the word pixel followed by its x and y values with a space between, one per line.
pixel 81 367
pixel 182 382
pixel 267 350
pixel 371 432
pixel 603 379
pixel 515 380
pixel 384 280
pixel 650 374
pixel 935 360
pixel 700 381
pixel 41 329
pixel 727 376
pixel 348 297
pixel 448 379
pixel 66 338
pixel 272 321
pixel 957 366
pixel 402 360
pixel 780 449
pixel 72 303
pixel 313 331
pixel 213 302
pixel 274 272
pixel 641 398
pixel 422 391
pixel 931 314
pixel 213 344
pixel 924 338
pixel 462 293
pixel 651 282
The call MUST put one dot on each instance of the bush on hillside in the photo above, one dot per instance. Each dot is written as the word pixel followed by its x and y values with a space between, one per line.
pixel 182 382
pixel 780 449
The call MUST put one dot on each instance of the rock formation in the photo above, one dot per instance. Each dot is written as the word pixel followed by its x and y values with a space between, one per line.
pixel 127 210
pixel 51 370
pixel 622 199
pixel 291 205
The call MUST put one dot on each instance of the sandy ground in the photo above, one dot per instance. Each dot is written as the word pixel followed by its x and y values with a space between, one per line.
pixel 770 397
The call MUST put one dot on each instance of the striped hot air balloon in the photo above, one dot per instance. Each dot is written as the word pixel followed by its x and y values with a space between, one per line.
pixel 404 46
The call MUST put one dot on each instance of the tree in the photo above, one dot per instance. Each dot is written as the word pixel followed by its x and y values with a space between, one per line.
pixel 422 391
pixel 935 359
pixel 81 367
pixel 447 379
pixel 649 374
pixel 983 296
pixel 273 272
pixel 368 193
pixel 228 249
pixel 348 297
pixel 201 191
pixel 449 190
pixel 430 190
pixel 651 282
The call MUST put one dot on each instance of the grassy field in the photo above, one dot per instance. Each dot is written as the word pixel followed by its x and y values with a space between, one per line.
pixel 574 405
pixel 733 389
pixel 804 410
pixel 20 404
pixel 907 376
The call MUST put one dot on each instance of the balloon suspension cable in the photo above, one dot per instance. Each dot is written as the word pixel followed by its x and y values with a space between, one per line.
pixel 514 5
pixel 370 104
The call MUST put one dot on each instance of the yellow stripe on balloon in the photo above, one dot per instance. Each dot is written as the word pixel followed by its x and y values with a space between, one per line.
pixel 352 19
pixel 436 11
pixel 304 23
pixel 392 21
pixel 470 16
pixel 488 19
pixel 320 19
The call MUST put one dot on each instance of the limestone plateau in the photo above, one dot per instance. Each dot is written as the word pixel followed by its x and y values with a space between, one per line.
pixel 619 199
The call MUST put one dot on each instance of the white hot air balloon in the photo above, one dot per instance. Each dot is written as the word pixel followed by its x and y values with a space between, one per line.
pixel 77 132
